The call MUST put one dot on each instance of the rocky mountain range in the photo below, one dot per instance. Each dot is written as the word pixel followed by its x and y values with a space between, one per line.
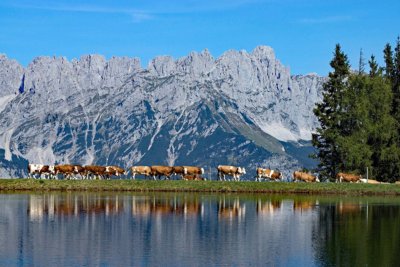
pixel 242 108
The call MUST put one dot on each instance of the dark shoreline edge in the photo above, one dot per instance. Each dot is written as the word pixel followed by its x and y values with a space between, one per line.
pixel 33 185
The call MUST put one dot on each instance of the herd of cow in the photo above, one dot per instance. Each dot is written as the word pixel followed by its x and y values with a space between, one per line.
pixel 67 171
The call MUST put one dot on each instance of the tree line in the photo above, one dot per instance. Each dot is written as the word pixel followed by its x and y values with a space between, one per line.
pixel 359 117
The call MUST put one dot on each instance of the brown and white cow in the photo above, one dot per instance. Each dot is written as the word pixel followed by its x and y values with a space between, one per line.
pixel 78 169
pixel 193 170
pixel 143 170
pixel 305 177
pixel 348 177
pixel 233 171
pixel 66 170
pixel 39 169
pixel 179 170
pixel 96 171
pixel 268 173
pixel 159 171
pixel 114 171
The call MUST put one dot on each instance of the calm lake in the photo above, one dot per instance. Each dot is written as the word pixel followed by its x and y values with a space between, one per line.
pixel 175 229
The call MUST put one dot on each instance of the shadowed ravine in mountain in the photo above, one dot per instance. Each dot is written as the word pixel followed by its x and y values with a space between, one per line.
pixel 241 108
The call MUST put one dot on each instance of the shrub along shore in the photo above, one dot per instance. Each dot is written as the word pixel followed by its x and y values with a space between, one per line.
pixel 7 185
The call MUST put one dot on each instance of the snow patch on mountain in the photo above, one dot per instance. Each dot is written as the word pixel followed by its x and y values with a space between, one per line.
pixel 6 144
pixel 279 131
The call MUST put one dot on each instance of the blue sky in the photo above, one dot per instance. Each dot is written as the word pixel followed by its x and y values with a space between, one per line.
pixel 302 33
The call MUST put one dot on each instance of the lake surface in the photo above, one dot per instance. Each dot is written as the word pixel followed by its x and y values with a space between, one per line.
pixel 167 229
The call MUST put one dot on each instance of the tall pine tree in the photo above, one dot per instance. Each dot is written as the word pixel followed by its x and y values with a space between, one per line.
pixel 395 79
pixel 390 157
pixel 361 63
pixel 388 56
pixel 330 113
pixel 353 139
pixel 382 130
pixel 374 69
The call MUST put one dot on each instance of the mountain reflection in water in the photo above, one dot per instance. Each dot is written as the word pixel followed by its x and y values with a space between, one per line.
pixel 175 229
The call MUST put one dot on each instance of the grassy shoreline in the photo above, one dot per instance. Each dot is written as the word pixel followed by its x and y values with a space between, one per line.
pixel 198 186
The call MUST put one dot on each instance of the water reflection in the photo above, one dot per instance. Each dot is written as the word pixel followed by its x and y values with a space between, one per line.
pixel 268 207
pixel 229 209
pixel 344 208
pixel 170 229
pixel 358 233
pixel 304 205
pixel 72 205
pixel 146 206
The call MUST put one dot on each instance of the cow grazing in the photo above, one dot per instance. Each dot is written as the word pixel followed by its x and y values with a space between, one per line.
pixel 348 177
pixel 159 171
pixel 96 171
pixel 143 170
pixel 192 170
pixel 194 177
pixel 66 170
pixel 268 173
pixel 179 170
pixel 233 171
pixel 39 169
pixel 305 177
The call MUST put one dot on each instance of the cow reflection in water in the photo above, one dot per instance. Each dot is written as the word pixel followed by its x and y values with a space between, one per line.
pixel 145 207
pixel 268 207
pixel 347 208
pixel 229 209
pixel 72 205
pixel 304 205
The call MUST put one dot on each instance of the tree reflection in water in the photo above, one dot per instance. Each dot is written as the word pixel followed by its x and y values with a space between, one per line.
pixel 357 233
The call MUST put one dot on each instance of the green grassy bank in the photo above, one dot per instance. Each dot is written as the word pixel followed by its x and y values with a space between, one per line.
pixel 198 186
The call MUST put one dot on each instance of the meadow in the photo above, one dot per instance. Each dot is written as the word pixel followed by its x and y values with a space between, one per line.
pixel 199 186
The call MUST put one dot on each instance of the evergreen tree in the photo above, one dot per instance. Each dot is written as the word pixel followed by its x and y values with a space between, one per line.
pixel 388 56
pixel 329 113
pixel 369 133
pixel 373 67
pixel 361 63
pixel 360 118
pixel 396 73
pixel 382 130
pixel 353 139
pixel 395 80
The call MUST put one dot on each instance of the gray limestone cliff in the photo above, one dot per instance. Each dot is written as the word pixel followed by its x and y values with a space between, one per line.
pixel 241 108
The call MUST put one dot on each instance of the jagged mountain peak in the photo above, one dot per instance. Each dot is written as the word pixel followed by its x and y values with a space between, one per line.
pixel 241 108
pixel 263 51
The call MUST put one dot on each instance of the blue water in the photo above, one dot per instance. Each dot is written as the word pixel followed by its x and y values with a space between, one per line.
pixel 160 229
